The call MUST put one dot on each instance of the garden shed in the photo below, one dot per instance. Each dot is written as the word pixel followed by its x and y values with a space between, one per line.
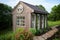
pixel 30 16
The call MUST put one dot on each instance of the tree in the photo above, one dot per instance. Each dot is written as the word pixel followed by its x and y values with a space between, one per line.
pixel 5 16
pixel 41 7
pixel 55 13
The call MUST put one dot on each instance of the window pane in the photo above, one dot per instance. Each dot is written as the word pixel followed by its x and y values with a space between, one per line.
pixel 38 21
pixel 33 20
pixel 45 21
pixel 21 21
pixel 42 21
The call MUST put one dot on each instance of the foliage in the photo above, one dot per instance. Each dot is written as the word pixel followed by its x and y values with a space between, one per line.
pixel 41 31
pixel 38 32
pixel 5 16
pixel 24 35
pixel 7 36
pixel 56 39
pixel 19 30
pixel 32 30
pixel 53 23
pixel 19 34
pixel 55 13
pixel 41 7
pixel 56 36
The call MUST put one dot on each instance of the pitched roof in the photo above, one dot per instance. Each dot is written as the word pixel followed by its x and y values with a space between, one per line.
pixel 36 9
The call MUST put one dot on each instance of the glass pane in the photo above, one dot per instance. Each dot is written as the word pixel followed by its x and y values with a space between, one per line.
pixel 33 20
pixel 38 21
pixel 21 21
pixel 45 21
pixel 42 21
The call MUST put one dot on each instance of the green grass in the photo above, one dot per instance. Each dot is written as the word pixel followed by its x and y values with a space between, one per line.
pixel 53 23
pixel 6 36
pixel 56 39
pixel 7 33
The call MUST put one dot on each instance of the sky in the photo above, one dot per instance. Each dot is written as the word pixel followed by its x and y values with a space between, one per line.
pixel 48 4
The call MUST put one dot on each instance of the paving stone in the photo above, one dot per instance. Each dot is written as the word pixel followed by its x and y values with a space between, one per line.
pixel 46 35
pixel 50 33
pixel 38 38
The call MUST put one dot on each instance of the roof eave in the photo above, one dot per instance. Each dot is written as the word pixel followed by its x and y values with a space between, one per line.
pixel 41 12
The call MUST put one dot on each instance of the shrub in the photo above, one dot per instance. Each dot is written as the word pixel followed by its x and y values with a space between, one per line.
pixel 41 31
pixel 32 30
pixel 38 32
pixel 19 30
pixel 7 36
pixel 23 34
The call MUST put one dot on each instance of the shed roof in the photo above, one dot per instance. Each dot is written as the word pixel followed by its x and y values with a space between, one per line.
pixel 36 9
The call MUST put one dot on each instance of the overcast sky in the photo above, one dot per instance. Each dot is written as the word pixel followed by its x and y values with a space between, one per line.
pixel 48 4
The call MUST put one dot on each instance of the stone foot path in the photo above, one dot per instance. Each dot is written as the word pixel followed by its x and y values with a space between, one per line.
pixel 46 35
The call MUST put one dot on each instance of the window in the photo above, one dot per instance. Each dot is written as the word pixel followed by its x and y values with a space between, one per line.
pixel 20 9
pixel 42 21
pixel 45 21
pixel 38 21
pixel 33 20
pixel 21 21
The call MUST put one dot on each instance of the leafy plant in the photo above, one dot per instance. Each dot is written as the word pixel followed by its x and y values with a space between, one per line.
pixel 7 36
pixel 23 35
pixel 32 30
pixel 38 32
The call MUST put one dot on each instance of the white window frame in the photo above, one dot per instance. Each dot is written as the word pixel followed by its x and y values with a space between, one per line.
pixel 20 21
pixel 33 20
pixel 45 21
pixel 38 15
pixel 42 21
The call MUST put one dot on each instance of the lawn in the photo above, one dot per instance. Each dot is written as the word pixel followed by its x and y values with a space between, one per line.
pixel 53 23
